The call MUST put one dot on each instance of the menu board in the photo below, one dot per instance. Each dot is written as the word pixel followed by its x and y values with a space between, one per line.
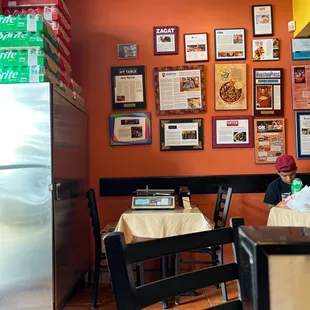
pixel 269 140
pixel 230 87
pixel 301 87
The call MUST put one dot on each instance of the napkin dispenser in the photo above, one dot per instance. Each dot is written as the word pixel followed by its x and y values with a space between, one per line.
pixel 184 196
pixel 274 267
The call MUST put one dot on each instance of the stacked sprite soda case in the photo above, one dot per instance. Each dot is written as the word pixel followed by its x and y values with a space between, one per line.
pixel 35 45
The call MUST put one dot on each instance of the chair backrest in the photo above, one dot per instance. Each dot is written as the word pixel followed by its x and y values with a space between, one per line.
pixel 222 207
pixel 93 211
pixel 121 256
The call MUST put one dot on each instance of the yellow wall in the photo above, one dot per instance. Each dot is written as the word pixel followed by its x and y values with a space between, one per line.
pixel 301 13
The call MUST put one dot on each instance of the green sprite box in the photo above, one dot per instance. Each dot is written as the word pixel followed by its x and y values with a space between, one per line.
pixel 297 185
pixel 26 23
pixel 26 74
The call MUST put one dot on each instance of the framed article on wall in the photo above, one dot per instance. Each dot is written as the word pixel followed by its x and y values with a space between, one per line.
pixel 180 90
pixel 196 47
pixel 302 122
pixel 166 40
pixel 300 78
pixel 262 19
pixel 128 88
pixel 181 134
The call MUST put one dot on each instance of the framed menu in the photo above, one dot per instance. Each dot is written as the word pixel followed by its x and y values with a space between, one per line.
pixel 230 44
pixel 262 19
pixel 266 49
pixel 128 87
pixel 301 87
pixel 267 92
pixel 232 131
pixel 165 40
pixel 180 90
pixel 181 134
pixel 269 140
pixel 196 47
pixel 302 121
pixel 230 87
pixel 301 49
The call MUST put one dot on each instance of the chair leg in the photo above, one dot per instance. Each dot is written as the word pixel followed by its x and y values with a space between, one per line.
pixel 223 285
pixel 96 282
pixel 164 274
pixel 138 275
pixel 141 265
pixel 177 271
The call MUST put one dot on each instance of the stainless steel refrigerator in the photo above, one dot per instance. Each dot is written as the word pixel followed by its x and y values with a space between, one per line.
pixel 44 221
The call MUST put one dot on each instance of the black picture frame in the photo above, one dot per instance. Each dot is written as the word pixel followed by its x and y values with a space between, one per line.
pixel 233 55
pixel 205 34
pixel 300 132
pixel 174 122
pixel 123 72
pixel 255 17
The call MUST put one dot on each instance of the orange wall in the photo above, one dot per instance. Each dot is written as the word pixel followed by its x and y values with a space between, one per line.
pixel 98 26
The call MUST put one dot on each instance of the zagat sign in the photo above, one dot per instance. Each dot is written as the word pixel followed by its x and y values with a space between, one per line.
pixel 165 30
pixel 128 71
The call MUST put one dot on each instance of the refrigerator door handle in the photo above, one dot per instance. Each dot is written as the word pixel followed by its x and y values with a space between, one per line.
pixel 57 185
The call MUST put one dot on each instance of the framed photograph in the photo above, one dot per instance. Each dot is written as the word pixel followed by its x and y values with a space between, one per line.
pixel 301 87
pixel 301 49
pixel 232 131
pixel 262 19
pixel 267 92
pixel 266 49
pixel 230 87
pixel 128 88
pixel 180 90
pixel 127 51
pixel 196 47
pixel 269 135
pixel 230 44
pixel 166 40
pixel 302 122
pixel 131 128
pixel 181 134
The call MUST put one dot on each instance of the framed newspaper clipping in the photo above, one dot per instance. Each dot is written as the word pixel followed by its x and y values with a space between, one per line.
pixel 302 122
pixel 131 128
pixel 268 92
pixel 181 134
pixel 262 19
pixel 166 40
pixel 128 88
pixel 180 90
pixel 301 87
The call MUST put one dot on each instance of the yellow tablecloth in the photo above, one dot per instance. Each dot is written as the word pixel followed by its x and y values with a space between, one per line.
pixel 139 225
pixel 287 217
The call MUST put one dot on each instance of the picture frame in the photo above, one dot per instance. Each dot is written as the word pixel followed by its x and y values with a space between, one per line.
pixel 166 40
pixel 182 129
pixel 301 49
pixel 127 51
pixel 268 92
pixel 238 44
pixel 135 128
pixel 302 121
pixel 232 131
pixel 300 87
pixel 192 84
pixel 269 139
pixel 230 87
pixel 262 20
pixel 265 49
pixel 196 47
pixel 121 78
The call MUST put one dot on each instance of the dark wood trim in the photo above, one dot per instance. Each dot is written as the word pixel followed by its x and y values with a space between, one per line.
pixel 243 183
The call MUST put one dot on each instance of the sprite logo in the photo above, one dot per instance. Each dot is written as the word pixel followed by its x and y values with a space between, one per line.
pixel 12 35
pixel 7 19
pixel 8 55
pixel 8 75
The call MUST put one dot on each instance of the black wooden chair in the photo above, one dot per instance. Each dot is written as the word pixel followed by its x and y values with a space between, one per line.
pixel 121 256
pixel 216 252
pixel 99 254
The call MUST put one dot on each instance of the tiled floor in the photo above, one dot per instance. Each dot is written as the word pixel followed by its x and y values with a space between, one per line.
pixel 206 298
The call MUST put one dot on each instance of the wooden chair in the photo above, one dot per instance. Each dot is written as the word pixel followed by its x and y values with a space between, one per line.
pixel 121 256
pixel 216 252
pixel 99 254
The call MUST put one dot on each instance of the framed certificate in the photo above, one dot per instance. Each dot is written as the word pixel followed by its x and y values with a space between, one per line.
pixel 230 44
pixel 128 88
pixel 302 122
pixel 301 87
pixel 269 135
pixel 232 131
pixel 262 19
pixel 196 47
pixel 165 40
pixel 267 92
pixel 180 90
pixel 181 134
